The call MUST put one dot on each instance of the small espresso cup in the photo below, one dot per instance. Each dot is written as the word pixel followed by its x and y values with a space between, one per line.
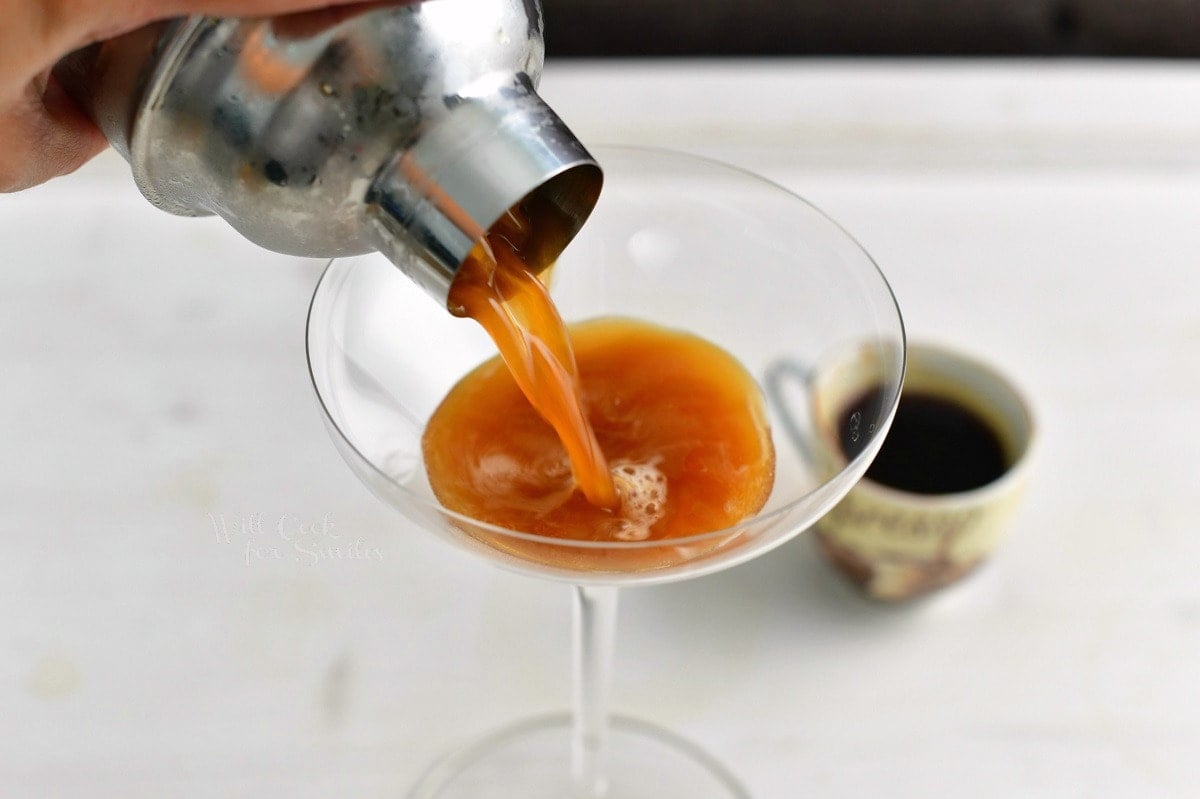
pixel 943 488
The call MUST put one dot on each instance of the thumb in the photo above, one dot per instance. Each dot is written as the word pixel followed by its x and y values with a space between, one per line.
pixel 74 24
pixel 45 135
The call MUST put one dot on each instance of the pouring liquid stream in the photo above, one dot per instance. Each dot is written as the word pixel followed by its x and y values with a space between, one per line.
pixel 612 429
pixel 495 288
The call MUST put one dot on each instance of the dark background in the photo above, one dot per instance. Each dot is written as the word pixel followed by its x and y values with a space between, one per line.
pixel 1112 28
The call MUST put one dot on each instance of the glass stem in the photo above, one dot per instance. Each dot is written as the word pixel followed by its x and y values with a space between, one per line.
pixel 595 617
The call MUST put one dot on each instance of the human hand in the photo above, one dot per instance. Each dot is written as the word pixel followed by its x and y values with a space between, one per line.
pixel 43 133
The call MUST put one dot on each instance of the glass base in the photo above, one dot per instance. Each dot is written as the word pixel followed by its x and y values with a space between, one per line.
pixel 531 760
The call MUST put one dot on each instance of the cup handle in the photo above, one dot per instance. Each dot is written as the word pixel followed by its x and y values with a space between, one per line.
pixel 775 381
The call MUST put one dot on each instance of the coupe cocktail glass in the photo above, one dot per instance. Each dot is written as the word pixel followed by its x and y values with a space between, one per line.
pixel 682 242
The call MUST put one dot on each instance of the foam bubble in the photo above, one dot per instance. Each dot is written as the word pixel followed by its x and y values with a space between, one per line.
pixel 643 491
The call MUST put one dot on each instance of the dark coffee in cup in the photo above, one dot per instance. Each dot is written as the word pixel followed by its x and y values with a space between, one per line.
pixel 939 495
pixel 936 445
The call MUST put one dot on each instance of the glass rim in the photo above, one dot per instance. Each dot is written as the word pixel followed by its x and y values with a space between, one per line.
pixel 858 464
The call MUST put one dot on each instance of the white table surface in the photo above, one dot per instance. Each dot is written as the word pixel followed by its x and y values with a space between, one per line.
pixel 1043 215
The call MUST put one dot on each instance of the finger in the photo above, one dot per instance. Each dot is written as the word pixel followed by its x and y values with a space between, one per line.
pixel 37 33
pixel 43 136
pixel 74 23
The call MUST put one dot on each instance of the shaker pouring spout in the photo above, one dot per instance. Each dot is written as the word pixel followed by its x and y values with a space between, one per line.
pixel 498 147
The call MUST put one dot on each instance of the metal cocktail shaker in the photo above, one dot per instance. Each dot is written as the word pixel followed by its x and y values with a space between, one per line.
pixel 404 128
